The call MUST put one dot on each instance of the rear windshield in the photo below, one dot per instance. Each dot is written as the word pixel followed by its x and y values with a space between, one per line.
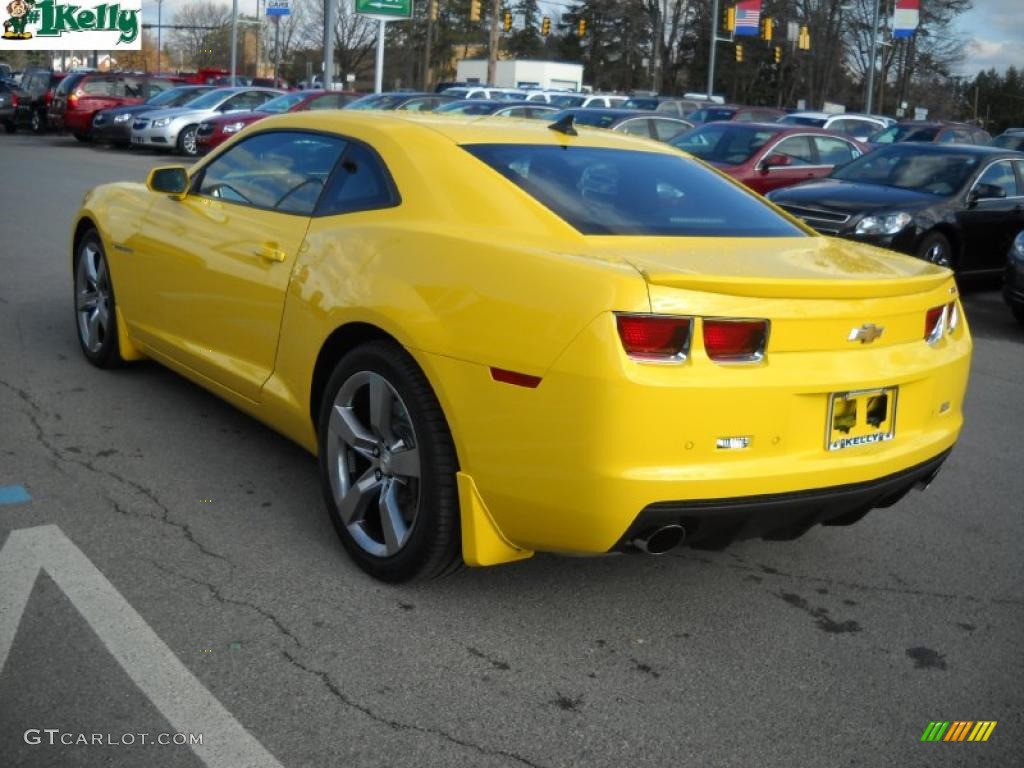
pixel 379 101
pixel 707 115
pixel 898 133
pixel 1009 142
pixel 800 120
pixel 69 82
pixel 601 191
pixel 729 144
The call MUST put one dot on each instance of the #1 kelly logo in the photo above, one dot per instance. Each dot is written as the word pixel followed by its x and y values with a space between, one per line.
pixel 90 25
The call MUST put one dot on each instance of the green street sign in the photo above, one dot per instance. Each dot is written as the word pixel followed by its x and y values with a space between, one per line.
pixel 396 9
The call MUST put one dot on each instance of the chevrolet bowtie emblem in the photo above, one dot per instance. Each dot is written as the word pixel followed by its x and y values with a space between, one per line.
pixel 866 333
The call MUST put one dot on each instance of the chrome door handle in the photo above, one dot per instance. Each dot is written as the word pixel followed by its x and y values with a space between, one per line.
pixel 270 253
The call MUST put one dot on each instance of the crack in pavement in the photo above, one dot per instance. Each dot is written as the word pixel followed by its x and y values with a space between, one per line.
pixel 57 457
pixel 219 596
pixel 398 725
pixel 745 567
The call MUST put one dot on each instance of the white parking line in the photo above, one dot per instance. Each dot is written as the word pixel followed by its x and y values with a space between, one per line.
pixel 154 668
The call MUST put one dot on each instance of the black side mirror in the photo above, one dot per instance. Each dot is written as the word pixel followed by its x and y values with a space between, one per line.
pixel 986 192
pixel 169 180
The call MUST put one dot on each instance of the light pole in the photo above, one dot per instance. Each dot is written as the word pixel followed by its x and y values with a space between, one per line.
pixel 714 45
pixel 234 39
pixel 329 47
pixel 869 101
pixel 159 29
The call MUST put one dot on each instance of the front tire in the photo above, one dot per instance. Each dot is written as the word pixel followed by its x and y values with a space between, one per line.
pixel 387 466
pixel 95 308
pixel 935 247
pixel 187 141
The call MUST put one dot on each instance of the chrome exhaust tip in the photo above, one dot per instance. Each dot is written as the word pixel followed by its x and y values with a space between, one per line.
pixel 658 541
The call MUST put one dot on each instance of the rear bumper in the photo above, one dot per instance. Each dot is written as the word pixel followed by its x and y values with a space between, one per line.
pixel 714 523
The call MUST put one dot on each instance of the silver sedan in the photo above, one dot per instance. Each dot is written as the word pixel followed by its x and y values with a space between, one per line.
pixel 175 128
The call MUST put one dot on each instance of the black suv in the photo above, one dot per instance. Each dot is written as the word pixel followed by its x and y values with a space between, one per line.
pixel 35 92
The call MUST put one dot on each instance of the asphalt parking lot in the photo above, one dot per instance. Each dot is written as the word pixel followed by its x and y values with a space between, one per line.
pixel 177 573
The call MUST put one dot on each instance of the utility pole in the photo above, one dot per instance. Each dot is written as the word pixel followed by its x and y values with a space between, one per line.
pixel 329 46
pixel 259 37
pixel 277 49
pixel 713 45
pixel 492 56
pixel 869 101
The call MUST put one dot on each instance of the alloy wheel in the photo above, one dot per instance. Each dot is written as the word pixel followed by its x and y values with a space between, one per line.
pixel 188 141
pixel 92 298
pixel 374 464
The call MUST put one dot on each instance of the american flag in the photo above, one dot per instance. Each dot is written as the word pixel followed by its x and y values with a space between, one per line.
pixel 748 18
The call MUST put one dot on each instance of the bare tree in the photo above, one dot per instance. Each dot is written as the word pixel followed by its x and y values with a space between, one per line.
pixel 203 41
pixel 354 35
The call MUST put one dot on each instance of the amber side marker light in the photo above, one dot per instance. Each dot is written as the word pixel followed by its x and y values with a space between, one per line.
pixel 514 377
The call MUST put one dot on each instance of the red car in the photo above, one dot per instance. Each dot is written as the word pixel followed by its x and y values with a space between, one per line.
pixel 73 110
pixel 767 156
pixel 215 130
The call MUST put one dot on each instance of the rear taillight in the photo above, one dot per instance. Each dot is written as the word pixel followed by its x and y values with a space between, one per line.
pixel 48 99
pixel 655 338
pixel 73 98
pixel 14 99
pixel 934 324
pixel 735 341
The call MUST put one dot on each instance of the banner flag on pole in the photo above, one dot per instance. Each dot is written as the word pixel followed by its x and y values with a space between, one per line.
pixel 905 18
pixel 748 18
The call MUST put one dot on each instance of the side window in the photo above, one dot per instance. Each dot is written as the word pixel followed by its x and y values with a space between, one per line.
pixel 281 171
pixel 153 87
pixel 99 86
pixel 666 129
pixel 797 148
pixel 834 151
pixel 245 100
pixel 636 127
pixel 744 116
pixel 330 101
pixel 948 136
pixel 132 87
pixel 516 112
pixel 361 183
pixel 1001 175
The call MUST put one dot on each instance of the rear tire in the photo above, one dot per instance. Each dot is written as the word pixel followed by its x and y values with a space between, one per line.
pixel 85 138
pixel 95 308
pixel 10 127
pixel 1018 312
pixel 387 466
pixel 935 247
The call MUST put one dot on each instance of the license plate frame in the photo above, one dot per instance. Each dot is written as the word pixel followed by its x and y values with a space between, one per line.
pixel 866 409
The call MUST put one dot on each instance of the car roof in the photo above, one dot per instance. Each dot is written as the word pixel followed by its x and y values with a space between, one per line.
pixel 619 112
pixel 498 103
pixel 404 128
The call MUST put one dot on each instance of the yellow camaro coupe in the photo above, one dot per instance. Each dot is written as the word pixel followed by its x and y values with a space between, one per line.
pixel 501 337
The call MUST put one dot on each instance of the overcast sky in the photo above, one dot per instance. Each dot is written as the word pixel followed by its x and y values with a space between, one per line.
pixel 994 29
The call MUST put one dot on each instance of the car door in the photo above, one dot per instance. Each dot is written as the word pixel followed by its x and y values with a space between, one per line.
pixel 214 266
pixel 989 224
pixel 801 164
